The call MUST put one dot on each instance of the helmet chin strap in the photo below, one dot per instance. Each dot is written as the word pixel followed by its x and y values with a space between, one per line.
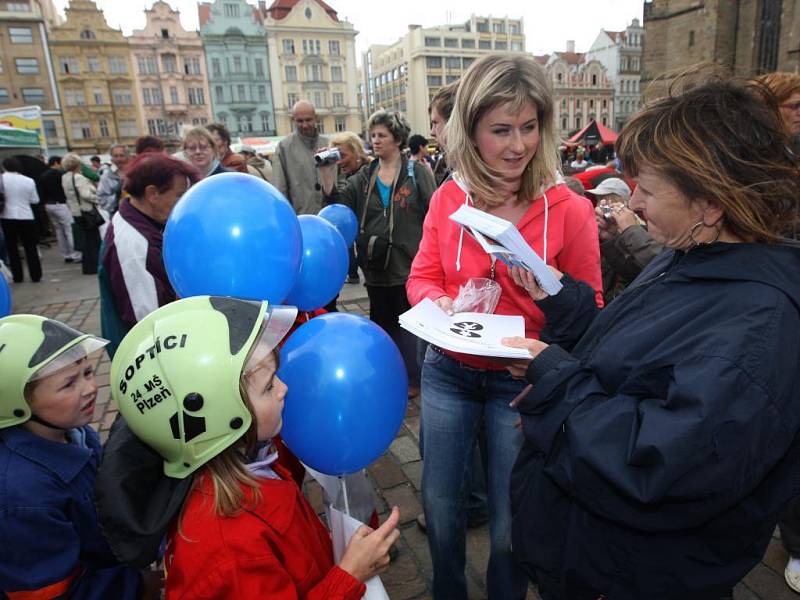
pixel 37 419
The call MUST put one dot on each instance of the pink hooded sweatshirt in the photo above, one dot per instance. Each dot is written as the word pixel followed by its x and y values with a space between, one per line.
pixel 447 258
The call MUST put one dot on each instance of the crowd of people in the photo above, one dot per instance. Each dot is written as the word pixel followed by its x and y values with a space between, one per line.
pixel 647 449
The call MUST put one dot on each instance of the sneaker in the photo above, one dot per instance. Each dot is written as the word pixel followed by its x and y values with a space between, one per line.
pixel 792 573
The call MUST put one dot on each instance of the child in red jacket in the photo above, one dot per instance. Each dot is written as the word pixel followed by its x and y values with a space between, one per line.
pixel 196 381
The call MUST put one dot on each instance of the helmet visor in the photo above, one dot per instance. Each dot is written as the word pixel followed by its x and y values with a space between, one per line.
pixel 278 320
pixel 71 354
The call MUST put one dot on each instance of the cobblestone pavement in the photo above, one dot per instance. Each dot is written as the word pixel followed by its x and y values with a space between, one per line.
pixel 68 296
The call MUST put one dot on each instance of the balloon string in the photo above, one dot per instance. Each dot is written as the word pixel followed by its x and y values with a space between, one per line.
pixel 344 494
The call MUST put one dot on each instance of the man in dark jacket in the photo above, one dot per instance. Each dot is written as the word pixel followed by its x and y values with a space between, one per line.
pixel 51 193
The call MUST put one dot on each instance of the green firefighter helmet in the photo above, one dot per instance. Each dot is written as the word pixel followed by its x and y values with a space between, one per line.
pixel 175 376
pixel 33 347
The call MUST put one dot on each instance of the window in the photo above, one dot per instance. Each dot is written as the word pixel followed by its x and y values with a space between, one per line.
pixel 453 62
pixel 219 94
pixel 122 96
pixel 196 96
pixel 433 62
pixel 18 6
pixel 262 93
pixel 87 34
pixel 215 67
pixel 4 96
pixel 482 27
pixel 451 78
pixel 467 43
pixel 605 103
pixel 467 62
pixel 292 99
pixel 768 35
pixel 336 74
pixel 451 42
pixel 237 64
pixel 321 126
pixel 241 92
pixel 97 96
pixel 69 64
pixel 118 64
pixel 1 65
pixel 103 125
pixel 128 128
pixel 434 80
pixel 81 130
pixel 264 122
pixel 33 95
pixel 564 123
pixel 146 64
pixel 259 66
pixel 311 47
pixel 230 10
pixel 594 80
pixel 288 46
pixel 141 65
pixel 635 63
pixel 320 99
pixel 313 72
pixel 691 38
pixel 191 66
pixel 577 122
pixel 173 94
pixel 338 99
pixel 485 45
pixel 501 45
pixel 74 98
pixel 333 48
pixel 339 124
pixel 20 35
pixel 168 63
pixel 498 27
pixel 513 28
pixel 517 47
pixel 290 72
pixel 50 131
pixel 27 66
pixel 433 42
pixel 93 64
pixel 591 103
pixel 246 123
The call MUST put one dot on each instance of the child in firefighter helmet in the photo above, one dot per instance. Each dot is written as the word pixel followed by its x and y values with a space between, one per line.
pixel 50 542
pixel 196 381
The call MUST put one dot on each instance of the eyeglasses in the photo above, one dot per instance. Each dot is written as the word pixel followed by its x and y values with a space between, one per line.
pixel 197 148
pixel 792 106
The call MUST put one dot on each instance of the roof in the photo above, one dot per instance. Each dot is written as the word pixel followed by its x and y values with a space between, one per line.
pixel 571 58
pixel 281 8
pixel 204 13
pixel 615 34
pixel 607 136
pixel 541 58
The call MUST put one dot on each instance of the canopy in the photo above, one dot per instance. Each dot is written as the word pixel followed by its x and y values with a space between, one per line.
pixel 596 132
pixel 11 137
pixel 262 145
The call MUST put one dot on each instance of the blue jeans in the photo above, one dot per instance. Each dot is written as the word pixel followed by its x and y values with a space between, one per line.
pixel 454 400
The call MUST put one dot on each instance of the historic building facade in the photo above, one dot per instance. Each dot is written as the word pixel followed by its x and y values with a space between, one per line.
pixel 95 80
pixel 406 75
pixel 170 69
pixel 312 56
pixel 237 64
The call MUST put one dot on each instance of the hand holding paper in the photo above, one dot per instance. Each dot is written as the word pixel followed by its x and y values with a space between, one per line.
pixel 367 552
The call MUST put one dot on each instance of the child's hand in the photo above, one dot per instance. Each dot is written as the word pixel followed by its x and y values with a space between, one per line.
pixel 367 554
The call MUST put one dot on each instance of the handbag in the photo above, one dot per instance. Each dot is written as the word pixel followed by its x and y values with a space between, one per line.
pixel 375 251
pixel 92 219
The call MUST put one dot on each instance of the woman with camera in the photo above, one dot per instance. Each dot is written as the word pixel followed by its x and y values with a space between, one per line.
pixel 390 199
pixel 660 451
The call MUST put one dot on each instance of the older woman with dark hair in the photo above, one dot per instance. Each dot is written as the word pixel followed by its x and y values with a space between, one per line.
pixel 390 198
pixel 133 278
pixel 661 450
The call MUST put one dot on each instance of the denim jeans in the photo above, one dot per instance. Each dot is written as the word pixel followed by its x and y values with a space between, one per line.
pixel 454 400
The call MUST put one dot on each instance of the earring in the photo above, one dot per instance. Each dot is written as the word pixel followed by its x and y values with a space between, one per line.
pixel 694 229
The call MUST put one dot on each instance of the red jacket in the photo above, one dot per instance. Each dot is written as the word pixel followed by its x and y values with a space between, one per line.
pixel 572 247
pixel 280 550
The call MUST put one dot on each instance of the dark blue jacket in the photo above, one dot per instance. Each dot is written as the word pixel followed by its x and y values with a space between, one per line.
pixel 660 452
pixel 49 537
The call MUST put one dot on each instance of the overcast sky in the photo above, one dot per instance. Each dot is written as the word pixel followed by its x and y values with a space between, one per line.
pixel 548 23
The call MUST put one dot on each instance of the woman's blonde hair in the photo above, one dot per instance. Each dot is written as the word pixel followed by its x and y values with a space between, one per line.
pixel 71 161
pixel 353 142
pixel 493 81
pixel 201 132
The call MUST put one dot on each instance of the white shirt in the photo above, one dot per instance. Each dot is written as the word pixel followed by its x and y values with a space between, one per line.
pixel 20 192
pixel 579 164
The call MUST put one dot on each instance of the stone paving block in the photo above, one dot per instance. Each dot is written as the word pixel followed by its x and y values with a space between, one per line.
pixel 403 580
pixel 102 379
pixel 767 584
pixel 413 471
pixel 412 424
pixel 742 592
pixel 776 557
pixel 417 543
pixel 103 368
pixel 386 472
pixel 405 448
pixel 108 420
pixel 404 497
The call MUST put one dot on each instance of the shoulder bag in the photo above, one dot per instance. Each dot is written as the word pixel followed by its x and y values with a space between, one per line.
pixel 92 219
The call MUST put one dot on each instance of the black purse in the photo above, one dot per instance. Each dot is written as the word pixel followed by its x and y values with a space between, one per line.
pixel 374 251
pixel 92 219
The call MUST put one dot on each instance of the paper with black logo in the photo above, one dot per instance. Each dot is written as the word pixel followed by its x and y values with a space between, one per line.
pixel 468 333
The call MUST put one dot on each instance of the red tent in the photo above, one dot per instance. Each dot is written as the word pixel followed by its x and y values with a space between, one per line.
pixel 594 130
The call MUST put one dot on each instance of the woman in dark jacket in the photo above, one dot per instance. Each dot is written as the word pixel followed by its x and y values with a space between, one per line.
pixel 390 197
pixel 661 450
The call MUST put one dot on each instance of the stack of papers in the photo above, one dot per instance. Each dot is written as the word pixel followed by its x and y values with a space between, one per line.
pixel 499 238
pixel 467 333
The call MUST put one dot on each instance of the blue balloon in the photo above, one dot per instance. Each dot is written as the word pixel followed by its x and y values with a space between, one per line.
pixel 233 235
pixel 347 392
pixel 324 265
pixel 5 297
pixel 343 219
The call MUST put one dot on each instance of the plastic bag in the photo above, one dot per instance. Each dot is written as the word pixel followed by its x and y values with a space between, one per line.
pixel 479 295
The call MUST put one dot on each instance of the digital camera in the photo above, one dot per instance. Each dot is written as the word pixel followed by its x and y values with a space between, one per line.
pixel 326 157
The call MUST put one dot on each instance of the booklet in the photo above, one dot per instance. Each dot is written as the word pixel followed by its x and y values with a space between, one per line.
pixel 499 238
pixel 468 333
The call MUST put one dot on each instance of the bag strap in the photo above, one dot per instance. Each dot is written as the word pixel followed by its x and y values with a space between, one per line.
pixel 373 178
pixel 77 193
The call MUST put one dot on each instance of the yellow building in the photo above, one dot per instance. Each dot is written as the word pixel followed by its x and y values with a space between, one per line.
pixel 312 56
pixel 406 75
pixel 95 80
